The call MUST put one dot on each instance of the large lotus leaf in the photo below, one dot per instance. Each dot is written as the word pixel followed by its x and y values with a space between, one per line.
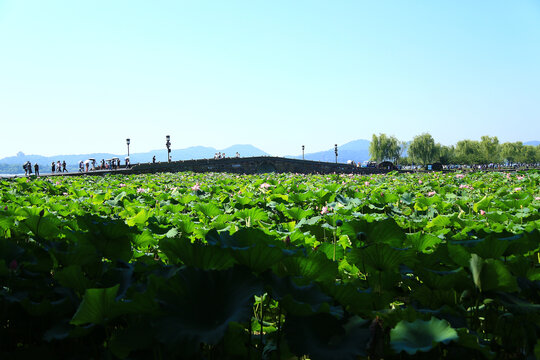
pixel 421 335
pixel 139 219
pixel 352 298
pixel 298 214
pixel 332 251
pixel 491 274
pixel 423 242
pixel 439 222
pixel 315 267
pixel 421 204
pixel 209 210
pixel 224 239
pixel 450 279
pixel 380 257
pixel 97 306
pixel 197 305
pixel 299 299
pixel 483 204
pixel 254 236
pixel 252 215
pixel 491 247
pixel 259 257
pixel 111 238
pixel 199 255
pixel 459 255
pixel 47 226
pixel 324 337
pixel 382 231
pixel 72 277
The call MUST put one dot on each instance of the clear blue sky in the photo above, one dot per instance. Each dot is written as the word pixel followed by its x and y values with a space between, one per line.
pixel 82 76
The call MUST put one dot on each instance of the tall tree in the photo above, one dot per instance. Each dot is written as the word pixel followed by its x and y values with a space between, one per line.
pixel 383 147
pixel 511 151
pixel 376 147
pixel 446 154
pixel 489 150
pixel 423 149
pixel 468 152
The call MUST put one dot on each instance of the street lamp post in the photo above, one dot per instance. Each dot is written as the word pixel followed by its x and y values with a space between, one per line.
pixel 168 144
pixel 127 142
pixel 335 151
pixel 303 147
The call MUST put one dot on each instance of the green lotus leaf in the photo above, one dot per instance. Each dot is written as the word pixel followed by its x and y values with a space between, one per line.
pixel 380 257
pixel 315 267
pixel 140 219
pixel 421 335
pixel 491 274
pixel 299 299
pixel 324 337
pixel 298 214
pixel 252 215
pixel 423 242
pixel 259 257
pixel 491 247
pixel 209 210
pixel 197 305
pixel 199 255
pixel 97 306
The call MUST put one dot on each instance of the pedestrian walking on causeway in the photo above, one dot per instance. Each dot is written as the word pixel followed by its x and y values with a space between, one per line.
pixel 36 169
pixel 29 166
pixel 154 159
pixel 25 167
pixel 52 167
pixel 58 166
pixel 64 166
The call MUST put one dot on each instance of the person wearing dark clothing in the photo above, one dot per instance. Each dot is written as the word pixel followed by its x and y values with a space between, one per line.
pixel 36 169
pixel 154 159
pixel 29 166
pixel 52 167
pixel 64 166
pixel 25 167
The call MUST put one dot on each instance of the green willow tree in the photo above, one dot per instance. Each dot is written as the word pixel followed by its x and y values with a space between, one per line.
pixel 423 149
pixel 385 147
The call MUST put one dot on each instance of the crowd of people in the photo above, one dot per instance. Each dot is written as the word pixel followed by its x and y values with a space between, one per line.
pixel 220 155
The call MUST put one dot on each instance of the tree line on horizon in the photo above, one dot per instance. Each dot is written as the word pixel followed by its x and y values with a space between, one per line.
pixel 423 150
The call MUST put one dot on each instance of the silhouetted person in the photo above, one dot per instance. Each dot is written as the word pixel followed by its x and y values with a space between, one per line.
pixel 64 166
pixel 36 169
pixel 52 167
pixel 154 159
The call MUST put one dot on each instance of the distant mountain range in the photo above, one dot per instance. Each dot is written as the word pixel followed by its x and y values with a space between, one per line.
pixel 13 164
pixel 357 150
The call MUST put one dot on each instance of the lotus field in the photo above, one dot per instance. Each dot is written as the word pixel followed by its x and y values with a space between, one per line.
pixel 271 266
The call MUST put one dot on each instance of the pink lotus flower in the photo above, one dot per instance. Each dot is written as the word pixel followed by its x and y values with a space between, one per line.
pixel 196 187
pixel 431 193
pixel 482 212
pixel 520 177
pixel 122 185
pixel 420 181
pixel 517 189
pixel 366 183
pixel 140 190
pixel 265 186
pixel 324 210
pixel 460 176
pixel 536 198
